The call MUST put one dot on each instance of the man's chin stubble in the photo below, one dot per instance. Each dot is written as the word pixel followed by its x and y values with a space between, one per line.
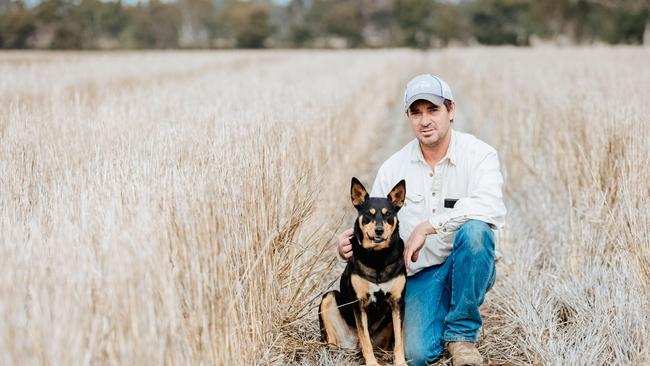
pixel 430 143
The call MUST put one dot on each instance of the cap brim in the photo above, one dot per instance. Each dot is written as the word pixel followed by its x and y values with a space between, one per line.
pixel 435 99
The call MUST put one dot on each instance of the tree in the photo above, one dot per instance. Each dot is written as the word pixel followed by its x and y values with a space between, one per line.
pixel 250 23
pixel 501 22
pixel 299 32
pixel 449 23
pixel 199 22
pixel 67 36
pixel 342 19
pixel 154 26
pixel 414 17
pixel 17 26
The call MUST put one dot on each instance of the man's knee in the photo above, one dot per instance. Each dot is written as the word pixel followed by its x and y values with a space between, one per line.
pixel 419 353
pixel 476 236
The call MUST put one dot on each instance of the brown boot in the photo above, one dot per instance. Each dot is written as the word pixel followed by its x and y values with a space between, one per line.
pixel 464 354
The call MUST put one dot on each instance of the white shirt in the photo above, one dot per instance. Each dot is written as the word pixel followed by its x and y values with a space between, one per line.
pixel 468 172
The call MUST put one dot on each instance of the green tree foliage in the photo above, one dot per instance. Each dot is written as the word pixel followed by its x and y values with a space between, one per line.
pixel 630 26
pixel 88 24
pixel 501 22
pixel 17 26
pixel 337 18
pixel 343 20
pixel 67 36
pixel 300 33
pixel 249 23
pixel 413 16
pixel 449 24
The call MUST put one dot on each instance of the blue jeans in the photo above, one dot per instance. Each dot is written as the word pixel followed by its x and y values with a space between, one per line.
pixel 442 301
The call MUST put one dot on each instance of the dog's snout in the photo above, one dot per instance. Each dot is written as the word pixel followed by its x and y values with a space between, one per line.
pixel 379 230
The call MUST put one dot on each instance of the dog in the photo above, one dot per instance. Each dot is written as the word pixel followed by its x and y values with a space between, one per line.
pixel 369 307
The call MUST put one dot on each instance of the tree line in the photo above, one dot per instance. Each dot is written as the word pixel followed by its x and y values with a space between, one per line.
pixel 96 24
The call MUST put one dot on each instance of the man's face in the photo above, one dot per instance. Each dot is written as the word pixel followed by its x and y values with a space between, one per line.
pixel 430 123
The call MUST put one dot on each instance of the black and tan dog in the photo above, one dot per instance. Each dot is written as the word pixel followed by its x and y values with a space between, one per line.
pixel 369 307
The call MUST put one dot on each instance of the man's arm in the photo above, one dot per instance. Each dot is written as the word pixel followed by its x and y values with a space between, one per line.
pixel 485 200
pixel 484 203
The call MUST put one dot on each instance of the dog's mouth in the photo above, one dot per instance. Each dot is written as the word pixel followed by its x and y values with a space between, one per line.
pixel 378 239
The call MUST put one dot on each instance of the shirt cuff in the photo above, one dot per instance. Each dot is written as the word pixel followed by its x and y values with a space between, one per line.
pixel 439 221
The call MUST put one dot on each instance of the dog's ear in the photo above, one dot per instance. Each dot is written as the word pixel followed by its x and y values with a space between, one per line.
pixel 398 193
pixel 358 193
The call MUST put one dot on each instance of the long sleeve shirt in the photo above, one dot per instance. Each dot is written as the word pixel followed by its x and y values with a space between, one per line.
pixel 468 173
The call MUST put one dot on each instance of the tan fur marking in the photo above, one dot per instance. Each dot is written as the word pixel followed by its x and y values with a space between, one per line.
pixel 398 330
pixel 367 229
pixel 364 337
pixel 397 195
pixel 372 211
pixel 389 229
pixel 337 331
pixel 384 210
pixel 398 327
pixel 326 307
pixel 360 286
pixel 358 193
pixel 381 246
pixel 398 286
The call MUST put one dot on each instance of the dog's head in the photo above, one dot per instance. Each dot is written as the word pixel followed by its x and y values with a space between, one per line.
pixel 377 220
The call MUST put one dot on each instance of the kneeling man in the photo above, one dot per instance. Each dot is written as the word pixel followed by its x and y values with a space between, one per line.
pixel 453 204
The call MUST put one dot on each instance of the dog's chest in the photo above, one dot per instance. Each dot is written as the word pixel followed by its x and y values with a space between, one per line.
pixel 374 292
pixel 379 290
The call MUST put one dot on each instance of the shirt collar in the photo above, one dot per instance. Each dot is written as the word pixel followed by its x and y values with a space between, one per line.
pixel 451 155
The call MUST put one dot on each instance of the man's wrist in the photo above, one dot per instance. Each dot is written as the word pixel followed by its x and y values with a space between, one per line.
pixel 340 257
pixel 425 228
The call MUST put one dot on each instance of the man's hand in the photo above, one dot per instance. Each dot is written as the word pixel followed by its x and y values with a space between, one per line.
pixel 416 242
pixel 345 247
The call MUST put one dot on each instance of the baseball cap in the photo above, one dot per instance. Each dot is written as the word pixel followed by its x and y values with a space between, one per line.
pixel 428 87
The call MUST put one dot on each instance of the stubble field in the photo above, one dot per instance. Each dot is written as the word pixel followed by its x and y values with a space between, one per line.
pixel 181 207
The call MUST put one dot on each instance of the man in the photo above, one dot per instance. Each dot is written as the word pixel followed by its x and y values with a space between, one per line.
pixel 453 201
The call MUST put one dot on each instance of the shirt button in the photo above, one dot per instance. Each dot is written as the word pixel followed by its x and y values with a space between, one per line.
pixel 431 174
pixel 433 194
pixel 433 211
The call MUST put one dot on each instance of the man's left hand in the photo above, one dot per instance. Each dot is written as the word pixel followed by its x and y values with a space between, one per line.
pixel 416 242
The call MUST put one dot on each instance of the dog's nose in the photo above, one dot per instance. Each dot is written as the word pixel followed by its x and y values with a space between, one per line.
pixel 379 230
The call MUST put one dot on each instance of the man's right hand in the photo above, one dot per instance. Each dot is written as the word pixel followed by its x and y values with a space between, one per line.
pixel 345 247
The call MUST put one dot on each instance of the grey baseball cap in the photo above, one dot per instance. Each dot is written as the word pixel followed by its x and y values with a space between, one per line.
pixel 428 87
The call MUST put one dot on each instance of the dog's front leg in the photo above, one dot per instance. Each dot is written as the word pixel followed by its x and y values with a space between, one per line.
pixel 397 312
pixel 398 330
pixel 361 319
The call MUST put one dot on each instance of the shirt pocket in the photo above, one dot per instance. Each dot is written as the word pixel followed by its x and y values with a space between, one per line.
pixel 414 205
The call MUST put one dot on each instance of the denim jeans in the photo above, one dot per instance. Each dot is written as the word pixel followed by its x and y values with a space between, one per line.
pixel 442 301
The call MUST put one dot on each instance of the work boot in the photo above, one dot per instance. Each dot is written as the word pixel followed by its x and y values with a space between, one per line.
pixel 464 354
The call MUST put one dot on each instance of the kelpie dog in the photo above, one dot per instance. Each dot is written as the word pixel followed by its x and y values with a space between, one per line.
pixel 372 285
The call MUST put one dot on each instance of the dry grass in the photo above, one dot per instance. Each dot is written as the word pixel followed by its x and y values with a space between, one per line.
pixel 154 206
pixel 179 208
pixel 571 126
